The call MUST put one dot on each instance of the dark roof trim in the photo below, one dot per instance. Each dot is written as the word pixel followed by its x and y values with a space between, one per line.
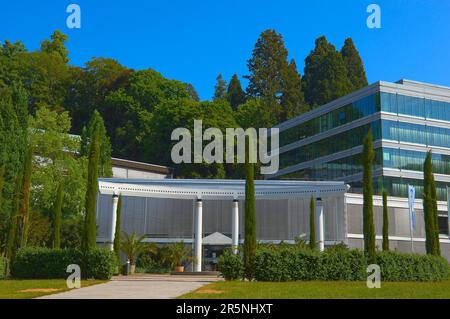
pixel 123 163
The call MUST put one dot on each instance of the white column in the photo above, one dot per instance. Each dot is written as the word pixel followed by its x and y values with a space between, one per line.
pixel 115 200
pixel 235 226
pixel 319 208
pixel 198 235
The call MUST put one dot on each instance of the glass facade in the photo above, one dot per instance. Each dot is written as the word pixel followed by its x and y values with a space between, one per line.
pixel 398 186
pixel 386 130
pixel 413 160
pixel 343 115
pixel 327 146
pixel 415 106
pixel 416 133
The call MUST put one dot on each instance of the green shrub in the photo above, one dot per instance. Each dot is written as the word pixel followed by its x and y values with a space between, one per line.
pixel 46 263
pixel 288 263
pixel 100 264
pixel 397 266
pixel 231 265
pixel 292 262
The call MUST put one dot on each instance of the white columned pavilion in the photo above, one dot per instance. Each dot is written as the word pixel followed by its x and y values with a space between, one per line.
pixel 212 189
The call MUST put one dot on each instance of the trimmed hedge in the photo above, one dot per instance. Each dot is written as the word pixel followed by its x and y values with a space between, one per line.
pixel 291 263
pixel 46 263
pixel 230 265
pixel 396 266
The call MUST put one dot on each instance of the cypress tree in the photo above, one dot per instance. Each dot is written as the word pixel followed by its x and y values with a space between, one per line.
pixel 96 123
pixel 436 246
pixel 312 223
pixel 25 200
pixel 325 77
pixel 368 224
pixel 385 222
pixel 250 214
pixel 354 65
pixel 90 224
pixel 118 227
pixel 12 242
pixel 57 216
pixel 220 89
pixel 235 94
pixel 430 208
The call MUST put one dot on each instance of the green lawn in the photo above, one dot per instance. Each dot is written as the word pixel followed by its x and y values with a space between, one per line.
pixel 320 289
pixel 24 289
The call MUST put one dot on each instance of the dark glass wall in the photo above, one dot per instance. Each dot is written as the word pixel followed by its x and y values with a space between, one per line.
pixel 333 144
pixel 415 106
pixel 345 114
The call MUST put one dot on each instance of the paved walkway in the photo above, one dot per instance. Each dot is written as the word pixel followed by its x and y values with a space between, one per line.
pixel 138 287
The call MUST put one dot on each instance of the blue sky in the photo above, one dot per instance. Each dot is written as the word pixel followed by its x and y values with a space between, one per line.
pixel 193 41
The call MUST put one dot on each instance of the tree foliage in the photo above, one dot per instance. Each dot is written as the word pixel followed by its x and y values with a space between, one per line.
pixel 354 65
pixel 325 75
pixel 430 212
pixel 312 223
pixel 235 94
pixel 368 223
pixel 385 222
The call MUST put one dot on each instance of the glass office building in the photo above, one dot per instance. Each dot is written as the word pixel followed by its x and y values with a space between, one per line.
pixel 407 119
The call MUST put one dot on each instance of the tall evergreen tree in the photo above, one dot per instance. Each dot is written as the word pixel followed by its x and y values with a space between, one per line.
pixel 354 65
pixel 220 89
pixel 312 223
pixel 58 216
pixel 368 223
pixel 96 123
pixel 13 236
pixel 292 99
pixel 25 199
pixel 250 214
pixel 117 239
pixel 430 208
pixel 385 222
pixel 90 224
pixel 235 94
pixel 325 77
pixel 272 78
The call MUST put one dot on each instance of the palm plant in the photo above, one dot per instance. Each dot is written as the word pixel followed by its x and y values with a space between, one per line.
pixel 177 254
pixel 133 246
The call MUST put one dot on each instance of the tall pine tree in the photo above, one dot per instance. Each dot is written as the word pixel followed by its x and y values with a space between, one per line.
pixel 235 94
pixel 220 89
pixel 292 99
pixel 354 64
pixel 273 79
pixel 368 223
pixel 325 77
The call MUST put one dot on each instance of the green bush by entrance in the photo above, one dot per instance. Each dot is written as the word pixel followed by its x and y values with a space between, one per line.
pixel 46 263
pixel 292 263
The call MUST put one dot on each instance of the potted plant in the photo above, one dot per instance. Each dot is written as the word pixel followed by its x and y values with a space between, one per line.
pixel 177 254
pixel 133 246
